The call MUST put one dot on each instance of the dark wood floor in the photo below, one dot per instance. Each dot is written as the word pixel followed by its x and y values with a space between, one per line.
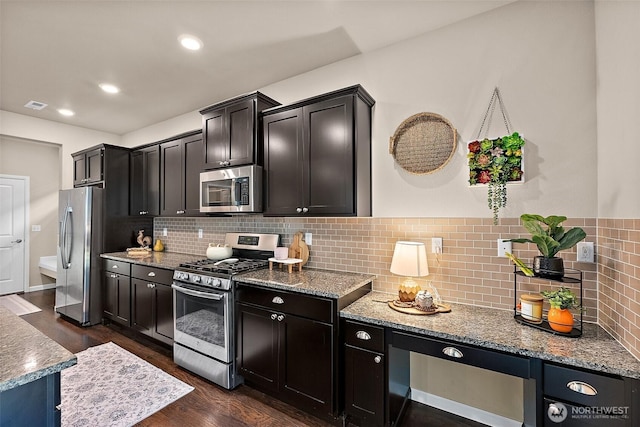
pixel 208 404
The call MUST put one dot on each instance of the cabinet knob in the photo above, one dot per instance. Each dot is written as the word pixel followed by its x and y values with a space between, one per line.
pixel 114 276
pixel 363 335
pixel 305 210
pixel 299 210
pixel 452 352
pixel 582 388
pixel 377 359
pixel 277 300
pixel 280 317
pixel 274 316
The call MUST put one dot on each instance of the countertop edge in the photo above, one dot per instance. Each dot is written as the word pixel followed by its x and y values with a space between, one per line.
pixel 36 375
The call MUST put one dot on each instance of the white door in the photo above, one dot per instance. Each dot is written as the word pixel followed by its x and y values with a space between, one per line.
pixel 12 234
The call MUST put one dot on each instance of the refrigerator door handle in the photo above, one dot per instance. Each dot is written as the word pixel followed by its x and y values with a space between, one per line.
pixel 65 250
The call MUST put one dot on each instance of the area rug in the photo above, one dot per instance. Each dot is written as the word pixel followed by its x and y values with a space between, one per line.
pixel 18 305
pixel 112 387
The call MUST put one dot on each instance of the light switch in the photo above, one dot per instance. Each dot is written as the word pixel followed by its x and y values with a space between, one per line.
pixel 35 228
pixel 199 233
pixel 307 238
pixel 504 246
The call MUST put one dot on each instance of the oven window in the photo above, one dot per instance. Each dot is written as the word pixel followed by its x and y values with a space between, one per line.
pixel 217 193
pixel 201 318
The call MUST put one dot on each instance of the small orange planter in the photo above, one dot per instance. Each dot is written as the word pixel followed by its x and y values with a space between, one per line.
pixel 560 319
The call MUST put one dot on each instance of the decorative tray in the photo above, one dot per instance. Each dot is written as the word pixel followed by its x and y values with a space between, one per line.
pixel 411 308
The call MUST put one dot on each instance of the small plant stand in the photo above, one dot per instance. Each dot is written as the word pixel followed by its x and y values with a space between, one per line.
pixel 571 277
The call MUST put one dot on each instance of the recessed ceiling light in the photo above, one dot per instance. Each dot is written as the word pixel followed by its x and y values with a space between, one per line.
pixel 109 88
pixel 190 42
pixel 66 112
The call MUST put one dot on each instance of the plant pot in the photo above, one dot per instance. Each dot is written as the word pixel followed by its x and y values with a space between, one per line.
pixel 560 319
pixel 551 268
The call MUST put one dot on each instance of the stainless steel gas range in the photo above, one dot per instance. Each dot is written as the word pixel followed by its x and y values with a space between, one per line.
pixel 204 337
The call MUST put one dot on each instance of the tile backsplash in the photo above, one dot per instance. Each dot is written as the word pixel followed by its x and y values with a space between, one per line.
pixel 467 271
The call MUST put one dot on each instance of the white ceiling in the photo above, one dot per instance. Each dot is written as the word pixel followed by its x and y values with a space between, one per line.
pixel 57 52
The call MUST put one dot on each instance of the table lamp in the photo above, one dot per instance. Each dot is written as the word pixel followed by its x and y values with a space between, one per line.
pixel 410 260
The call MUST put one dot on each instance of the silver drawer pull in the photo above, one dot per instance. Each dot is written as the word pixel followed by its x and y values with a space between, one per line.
pixel 452 352
pixel 377 359
pixel 362 335
pixel 114 266
pixel 277 300
pixel 582 388
pixel 151 274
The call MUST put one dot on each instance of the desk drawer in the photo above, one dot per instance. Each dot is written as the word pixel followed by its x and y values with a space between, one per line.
pixel 119 267
pixel 152 274
pixel 481 358
pixel 584 388
pixel 364 336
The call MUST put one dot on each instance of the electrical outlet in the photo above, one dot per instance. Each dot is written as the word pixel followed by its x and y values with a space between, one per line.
pixel 199 233
pixel 585 252
pixel 504 246
pixel 35 228
pixel 307 238
pixel 436 245
pixel 164 232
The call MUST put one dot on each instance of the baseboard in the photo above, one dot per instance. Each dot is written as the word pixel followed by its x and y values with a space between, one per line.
pixel 41 287
pixel 463 410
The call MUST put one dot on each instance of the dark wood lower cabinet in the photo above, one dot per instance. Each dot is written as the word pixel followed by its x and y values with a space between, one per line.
pixel 152 309
pixel 117 298
pixel 364 386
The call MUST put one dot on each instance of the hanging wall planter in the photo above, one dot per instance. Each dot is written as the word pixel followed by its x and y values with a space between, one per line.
pixel 498 161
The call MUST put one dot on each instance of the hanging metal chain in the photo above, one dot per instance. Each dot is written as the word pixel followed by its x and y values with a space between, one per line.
pixel 489 114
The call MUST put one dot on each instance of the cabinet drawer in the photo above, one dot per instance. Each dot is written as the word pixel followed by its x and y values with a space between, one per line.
pixel 152 274
pixel 119 267
pixel 487 359
pixel 287 302
pixel 364 336
pixel 579 386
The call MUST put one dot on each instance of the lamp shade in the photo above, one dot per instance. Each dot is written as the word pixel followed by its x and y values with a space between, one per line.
pixel 410 259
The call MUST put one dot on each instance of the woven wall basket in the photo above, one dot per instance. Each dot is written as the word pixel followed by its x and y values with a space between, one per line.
pixel 424 143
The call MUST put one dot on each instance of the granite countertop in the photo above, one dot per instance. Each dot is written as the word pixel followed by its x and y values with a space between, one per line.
pixel 498 330
pixel 324 283
pixel 167 260
pixel 26 354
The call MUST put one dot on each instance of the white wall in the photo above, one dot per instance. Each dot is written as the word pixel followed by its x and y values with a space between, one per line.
pixel 540 54
pixel 71 138
pixel 617 35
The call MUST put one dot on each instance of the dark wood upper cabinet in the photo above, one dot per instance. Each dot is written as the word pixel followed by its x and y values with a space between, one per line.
pixel 181 161
pixel 144 192
pixel 231 131
pixel 317 155
pixel 101 165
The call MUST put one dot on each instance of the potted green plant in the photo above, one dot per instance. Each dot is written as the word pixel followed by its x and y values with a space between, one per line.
pixel 550 237
pixel 561 301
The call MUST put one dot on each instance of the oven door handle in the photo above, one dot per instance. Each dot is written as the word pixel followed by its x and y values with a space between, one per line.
pixel 193 293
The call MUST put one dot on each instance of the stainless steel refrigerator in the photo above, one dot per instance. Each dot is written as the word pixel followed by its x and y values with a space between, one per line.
pixel 78 289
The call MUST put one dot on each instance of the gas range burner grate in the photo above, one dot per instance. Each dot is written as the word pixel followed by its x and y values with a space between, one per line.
pixel 243 264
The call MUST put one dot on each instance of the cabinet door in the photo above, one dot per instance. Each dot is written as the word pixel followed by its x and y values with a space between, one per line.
pixel 163 306
pixel 79 169
pixel 193 165
pixel 94 165
pixel 117 296
pixel 216 141
pixel 240 130
pixel 364 386
pixel 257 346
pixel 145 182
pixel 171 178
pixel 329 178
pixel 306 362
pixel 110 295
pixel 284 155
pixel 142 306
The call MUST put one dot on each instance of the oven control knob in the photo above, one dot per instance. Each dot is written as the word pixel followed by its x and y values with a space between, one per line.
pixel 217 283
pixel 184 276
pixel 196 279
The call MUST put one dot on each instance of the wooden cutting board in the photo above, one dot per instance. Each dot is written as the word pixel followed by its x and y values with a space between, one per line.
pixel 298 248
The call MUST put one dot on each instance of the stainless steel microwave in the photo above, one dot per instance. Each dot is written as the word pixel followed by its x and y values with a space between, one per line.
pixel 231 190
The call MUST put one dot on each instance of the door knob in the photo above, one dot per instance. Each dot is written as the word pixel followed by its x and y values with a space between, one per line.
pixel 17 241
